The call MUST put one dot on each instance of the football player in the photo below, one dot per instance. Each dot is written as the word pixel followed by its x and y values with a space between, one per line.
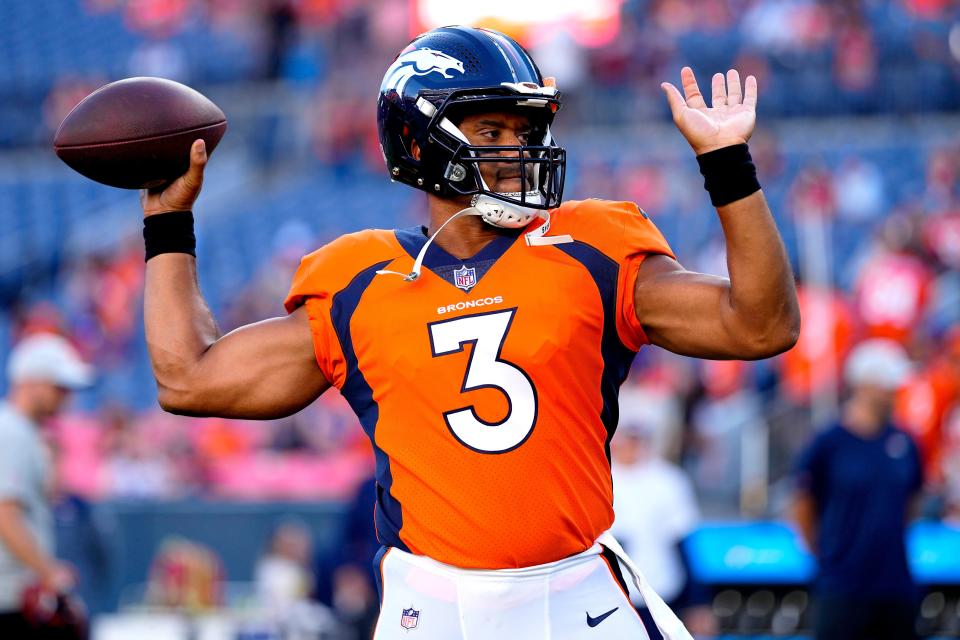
pixel 483 352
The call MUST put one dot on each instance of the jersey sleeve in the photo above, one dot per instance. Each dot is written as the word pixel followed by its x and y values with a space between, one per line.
pixel 314 288
pixel 641 238
pixel 320 276
pixel 626 235
pixel 810 473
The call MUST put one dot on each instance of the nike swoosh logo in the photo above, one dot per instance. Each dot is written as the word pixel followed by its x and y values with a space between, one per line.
pixel 592 622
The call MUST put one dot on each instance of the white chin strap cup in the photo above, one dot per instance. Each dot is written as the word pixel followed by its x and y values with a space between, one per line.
pixel 503 214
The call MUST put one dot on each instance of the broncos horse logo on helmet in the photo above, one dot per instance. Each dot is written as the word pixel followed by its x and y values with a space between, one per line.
pixel 420 62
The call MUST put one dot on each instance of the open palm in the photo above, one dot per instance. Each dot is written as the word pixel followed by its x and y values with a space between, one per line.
pixel 728 121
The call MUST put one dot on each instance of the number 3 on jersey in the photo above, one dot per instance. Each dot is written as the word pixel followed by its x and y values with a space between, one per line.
pixel 485 369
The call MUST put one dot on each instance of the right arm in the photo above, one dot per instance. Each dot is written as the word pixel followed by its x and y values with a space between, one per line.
pixel 259 371
pixel 804 514
pixel 17 538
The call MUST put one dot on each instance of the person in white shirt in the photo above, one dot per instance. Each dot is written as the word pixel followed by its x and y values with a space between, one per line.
pixel 42 371
pixel 655 507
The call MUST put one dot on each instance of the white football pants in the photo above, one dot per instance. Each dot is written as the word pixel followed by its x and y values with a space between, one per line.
pixel 572 599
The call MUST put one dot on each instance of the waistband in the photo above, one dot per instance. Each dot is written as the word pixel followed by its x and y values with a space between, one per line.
pixel 518 573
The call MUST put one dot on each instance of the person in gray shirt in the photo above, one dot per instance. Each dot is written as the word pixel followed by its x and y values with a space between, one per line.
pixel 42 370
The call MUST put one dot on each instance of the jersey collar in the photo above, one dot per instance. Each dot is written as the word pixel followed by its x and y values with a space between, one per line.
pixel 412 240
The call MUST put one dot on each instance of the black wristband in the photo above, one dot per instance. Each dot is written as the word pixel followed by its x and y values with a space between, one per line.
pixel 169 233
pixel 728 174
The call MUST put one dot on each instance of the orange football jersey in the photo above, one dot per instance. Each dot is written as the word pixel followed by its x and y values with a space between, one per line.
pixel 488 386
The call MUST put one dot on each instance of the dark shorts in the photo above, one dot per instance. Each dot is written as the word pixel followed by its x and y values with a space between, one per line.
pixel 845 618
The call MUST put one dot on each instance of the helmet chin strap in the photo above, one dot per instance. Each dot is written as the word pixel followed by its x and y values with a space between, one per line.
pixel 491 211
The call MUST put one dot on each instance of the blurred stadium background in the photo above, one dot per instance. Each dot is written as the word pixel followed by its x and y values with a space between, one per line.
pixel 168 519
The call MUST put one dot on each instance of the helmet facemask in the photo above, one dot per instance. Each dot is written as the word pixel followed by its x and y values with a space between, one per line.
pixel 448 154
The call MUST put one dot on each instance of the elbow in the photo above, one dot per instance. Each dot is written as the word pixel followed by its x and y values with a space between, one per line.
pixel 177 396
pixel 774 339
pixel 173 402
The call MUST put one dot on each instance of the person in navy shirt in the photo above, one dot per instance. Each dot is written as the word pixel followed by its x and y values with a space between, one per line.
pixel 855 485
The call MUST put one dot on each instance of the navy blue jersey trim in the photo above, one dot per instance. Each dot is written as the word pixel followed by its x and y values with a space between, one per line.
pixel 387 513
pixel 443 264
pixel 378 572
pixel 616 356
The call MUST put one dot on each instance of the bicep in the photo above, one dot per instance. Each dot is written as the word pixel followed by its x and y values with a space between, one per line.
pixel 260 371
pixel 686 312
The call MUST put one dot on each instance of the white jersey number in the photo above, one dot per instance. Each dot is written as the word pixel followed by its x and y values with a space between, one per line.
pixel 487 332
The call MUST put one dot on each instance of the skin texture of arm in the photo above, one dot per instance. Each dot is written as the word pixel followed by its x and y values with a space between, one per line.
pixel 754 314
pixel 259 371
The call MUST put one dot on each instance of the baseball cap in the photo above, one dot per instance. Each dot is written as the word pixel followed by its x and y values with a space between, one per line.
pixel 47 357
pixel 879 363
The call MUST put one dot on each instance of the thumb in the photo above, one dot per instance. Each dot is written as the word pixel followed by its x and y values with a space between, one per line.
pixel 674 99
pixel 198 161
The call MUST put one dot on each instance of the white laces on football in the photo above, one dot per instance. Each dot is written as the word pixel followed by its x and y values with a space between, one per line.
pixel 535 238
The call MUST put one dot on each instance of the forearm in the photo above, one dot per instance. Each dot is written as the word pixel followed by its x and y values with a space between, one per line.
pixel 18 540
pixel 762 297
pixel 805 517
pixel 178 323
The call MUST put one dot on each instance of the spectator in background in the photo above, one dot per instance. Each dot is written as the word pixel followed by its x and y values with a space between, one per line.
pixel 951 467
pixel 42 371
pixel 656 509
pixel 345 577
pixel 284 583
pixel 283 574
pixel 855 485
pixel 893 286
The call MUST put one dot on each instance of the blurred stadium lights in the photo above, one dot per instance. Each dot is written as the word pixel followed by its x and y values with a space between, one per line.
pixel 591 24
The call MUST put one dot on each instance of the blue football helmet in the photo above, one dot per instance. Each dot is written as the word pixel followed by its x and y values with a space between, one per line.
pixel 455 70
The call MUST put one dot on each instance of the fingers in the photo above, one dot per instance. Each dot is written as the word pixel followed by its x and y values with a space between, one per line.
pixel 734 93
pixel 691 90
pixel 674 99
pixel 750 96
pixel 718 89
pixel 193 178
pixel 726 90
pixel 550 81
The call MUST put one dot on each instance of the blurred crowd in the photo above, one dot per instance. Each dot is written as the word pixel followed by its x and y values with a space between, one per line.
pixel 814 57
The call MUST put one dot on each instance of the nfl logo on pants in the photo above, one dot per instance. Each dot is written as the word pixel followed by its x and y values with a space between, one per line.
pixel 409 618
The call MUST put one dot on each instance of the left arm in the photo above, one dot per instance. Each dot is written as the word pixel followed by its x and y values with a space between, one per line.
pixel 753 314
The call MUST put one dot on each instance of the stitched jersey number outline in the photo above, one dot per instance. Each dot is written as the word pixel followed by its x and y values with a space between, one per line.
pixel 487 370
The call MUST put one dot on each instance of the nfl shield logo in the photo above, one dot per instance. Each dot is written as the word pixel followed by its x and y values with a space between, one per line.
pixel 409 618
pixel 465 277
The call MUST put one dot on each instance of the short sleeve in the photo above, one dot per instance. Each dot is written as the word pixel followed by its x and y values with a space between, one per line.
pixel 810 470
pixel 321 276
pixel 314 291
pixel 14 471
pixel 641 238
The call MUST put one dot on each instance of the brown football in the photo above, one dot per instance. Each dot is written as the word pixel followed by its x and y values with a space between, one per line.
pixel 136 133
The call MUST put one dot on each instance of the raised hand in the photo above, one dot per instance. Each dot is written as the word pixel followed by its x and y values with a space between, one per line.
pixel 728 121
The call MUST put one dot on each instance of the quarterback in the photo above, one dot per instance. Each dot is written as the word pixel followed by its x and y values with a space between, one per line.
pixel 483 351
